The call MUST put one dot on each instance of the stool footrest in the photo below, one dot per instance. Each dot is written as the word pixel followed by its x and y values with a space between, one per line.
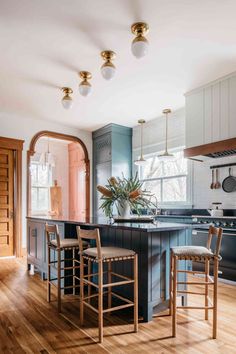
pixel 195 307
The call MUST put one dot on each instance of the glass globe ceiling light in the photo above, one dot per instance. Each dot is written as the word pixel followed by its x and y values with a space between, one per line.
pixel 67 101
pixel 166 156
pixel 108 69
pixel 141 161
pixel 85 87
pixel 140 44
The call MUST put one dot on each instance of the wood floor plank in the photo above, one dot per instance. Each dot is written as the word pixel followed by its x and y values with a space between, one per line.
pixel 28 324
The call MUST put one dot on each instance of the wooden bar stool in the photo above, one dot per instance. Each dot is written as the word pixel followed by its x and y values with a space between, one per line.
pixel 55 243
pixel 101 255
pixel 196 253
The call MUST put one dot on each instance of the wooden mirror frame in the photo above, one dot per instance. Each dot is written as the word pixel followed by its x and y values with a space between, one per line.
pixel 71 138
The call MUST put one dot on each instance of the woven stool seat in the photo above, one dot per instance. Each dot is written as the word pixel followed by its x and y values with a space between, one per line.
pixel 109 253
pixel 68 243
pixel 192 251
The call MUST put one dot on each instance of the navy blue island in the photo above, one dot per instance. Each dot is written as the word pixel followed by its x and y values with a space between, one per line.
pixel 152 242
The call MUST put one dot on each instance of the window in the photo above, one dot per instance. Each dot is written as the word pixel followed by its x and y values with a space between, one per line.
pixel 167 180
pixel 41 180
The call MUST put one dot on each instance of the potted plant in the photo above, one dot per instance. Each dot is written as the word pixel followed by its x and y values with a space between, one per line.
pixel 125 194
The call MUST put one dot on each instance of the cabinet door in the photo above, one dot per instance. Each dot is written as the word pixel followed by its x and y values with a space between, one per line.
pixel 195 119
pixel 35 241
pixel 102 173
pixel 102 149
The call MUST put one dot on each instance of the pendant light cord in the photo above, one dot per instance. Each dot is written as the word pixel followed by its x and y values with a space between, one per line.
pixel 166 131
pixel 141 141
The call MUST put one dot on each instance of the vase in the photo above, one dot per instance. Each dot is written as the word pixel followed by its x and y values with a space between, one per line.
pixel 124 210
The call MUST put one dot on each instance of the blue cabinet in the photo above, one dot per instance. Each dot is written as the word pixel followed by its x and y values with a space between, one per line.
pixel 112 156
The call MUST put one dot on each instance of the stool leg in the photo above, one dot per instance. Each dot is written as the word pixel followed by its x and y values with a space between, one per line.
pixel 170 285
pixel 136 293
pixel 109 282
pixel 216 265
pixel 73 264
pixel 206 287
pixel 174 315
pixel 59 280
pixel 49 276
pixel 100 301
pixel 89 278
pixel 81 290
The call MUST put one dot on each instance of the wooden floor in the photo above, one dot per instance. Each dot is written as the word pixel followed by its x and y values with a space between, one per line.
pixel 28 324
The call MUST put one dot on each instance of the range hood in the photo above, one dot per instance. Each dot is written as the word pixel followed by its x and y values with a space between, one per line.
pixel 214 150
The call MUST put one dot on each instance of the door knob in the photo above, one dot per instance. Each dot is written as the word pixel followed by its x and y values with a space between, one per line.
pixel 11 214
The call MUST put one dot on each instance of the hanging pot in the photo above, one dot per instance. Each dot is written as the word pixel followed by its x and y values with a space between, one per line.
pixel 229 183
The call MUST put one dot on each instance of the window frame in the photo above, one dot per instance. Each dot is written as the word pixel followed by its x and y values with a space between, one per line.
pixel 174 204
pixel 37 186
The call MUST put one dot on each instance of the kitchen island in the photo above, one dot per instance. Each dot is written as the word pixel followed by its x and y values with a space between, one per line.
pixel 152 242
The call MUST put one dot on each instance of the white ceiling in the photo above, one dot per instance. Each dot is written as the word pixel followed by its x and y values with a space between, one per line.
pixel 45 43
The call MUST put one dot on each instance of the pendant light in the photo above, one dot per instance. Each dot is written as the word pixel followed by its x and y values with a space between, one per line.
pixel 108 69
pixel 141 161
pixel 47 158
pixel 67 101
pixel 140 44
pixel 85 87
pixel 166 156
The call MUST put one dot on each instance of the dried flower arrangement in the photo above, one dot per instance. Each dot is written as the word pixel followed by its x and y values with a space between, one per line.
pixel 119 192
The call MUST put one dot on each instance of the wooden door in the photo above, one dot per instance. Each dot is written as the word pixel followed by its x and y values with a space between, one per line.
pixel 6 202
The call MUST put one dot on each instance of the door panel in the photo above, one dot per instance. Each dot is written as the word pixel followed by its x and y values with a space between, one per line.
pixel 6 202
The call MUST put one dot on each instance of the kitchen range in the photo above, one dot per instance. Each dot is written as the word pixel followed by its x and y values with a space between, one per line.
pixel 200 227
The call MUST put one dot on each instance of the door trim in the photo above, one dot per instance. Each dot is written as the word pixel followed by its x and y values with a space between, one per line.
pixel 16 145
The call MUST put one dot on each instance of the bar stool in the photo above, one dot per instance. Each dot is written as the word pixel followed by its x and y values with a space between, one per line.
pixel 55 243
pixel 101 255
pixel 196 253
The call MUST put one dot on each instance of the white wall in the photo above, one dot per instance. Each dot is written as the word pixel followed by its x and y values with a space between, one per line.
pixel 59 149
pixel 202 195
pixel 23 128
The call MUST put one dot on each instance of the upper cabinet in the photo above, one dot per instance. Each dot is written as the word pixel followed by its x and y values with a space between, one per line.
pixel 112 156
pixel 211 112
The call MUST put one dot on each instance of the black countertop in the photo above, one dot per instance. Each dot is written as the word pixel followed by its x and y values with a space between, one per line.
pixel 104 222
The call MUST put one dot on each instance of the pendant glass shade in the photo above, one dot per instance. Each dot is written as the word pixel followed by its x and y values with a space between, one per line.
pixel 139 47
pixel 140 162
pixel 166 157
pixel 85 89
pixel 67 102
pixel 108 71
pixel 47 158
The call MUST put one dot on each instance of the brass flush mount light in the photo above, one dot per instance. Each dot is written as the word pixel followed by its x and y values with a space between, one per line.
pixel 141 161
pixel 108 69
pixel 85 87
pixel 166 156
pixel 67 101
pixel 140 44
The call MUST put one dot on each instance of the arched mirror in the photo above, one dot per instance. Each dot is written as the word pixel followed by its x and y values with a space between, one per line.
pixel 58 177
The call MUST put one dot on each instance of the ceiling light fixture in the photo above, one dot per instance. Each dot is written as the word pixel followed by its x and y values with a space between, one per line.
pixel 140 44
pixel 166 156
pixel 85 87
pixel 141 161
pixel 67 101
pixel 108 69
